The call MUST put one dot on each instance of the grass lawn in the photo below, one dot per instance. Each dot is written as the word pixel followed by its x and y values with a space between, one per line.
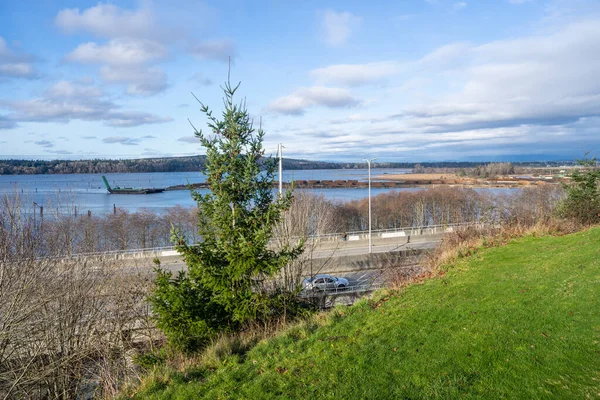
pixel 518 321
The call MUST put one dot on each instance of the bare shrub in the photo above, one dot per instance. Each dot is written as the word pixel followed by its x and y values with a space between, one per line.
pixel 395 209
pixel 531 206
pixel 309 217
pixel 60 317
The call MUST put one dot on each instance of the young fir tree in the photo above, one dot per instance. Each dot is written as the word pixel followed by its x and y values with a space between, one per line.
pixel 235 220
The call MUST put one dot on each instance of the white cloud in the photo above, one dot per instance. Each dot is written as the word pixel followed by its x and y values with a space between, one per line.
pixel 18 70
pixel 533 95
pixel 356 74
pixel 138 40
pixel 137 43
pixel 459 5
pixel 15 64
pixel 369 73
pixel 297 102
pixel 108 21
pixel 519 1
pixel 126 62
pixel 66 101
pixel 142 81
pixel 119 52
pixel 336 27
pixel 67 89
pixel 220 50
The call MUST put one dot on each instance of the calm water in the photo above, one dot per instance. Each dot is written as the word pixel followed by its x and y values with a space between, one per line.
pixel 87 192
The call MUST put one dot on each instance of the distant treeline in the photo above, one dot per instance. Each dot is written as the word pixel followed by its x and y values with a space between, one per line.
pixel 196 163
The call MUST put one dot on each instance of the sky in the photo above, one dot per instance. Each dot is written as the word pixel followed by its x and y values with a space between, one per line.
pixel 405 81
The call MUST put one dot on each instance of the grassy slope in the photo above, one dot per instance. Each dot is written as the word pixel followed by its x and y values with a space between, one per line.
pixel 520 321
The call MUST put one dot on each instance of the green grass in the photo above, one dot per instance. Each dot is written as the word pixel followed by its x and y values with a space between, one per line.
pixel 518 321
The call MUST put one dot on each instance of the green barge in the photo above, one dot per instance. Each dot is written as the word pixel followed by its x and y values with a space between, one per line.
pixel 120 190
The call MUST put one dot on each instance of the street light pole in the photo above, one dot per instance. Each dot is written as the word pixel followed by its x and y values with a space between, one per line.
pixel 369 164
pixel 280 151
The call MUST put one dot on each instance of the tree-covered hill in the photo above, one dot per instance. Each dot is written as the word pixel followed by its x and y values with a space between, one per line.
pixel 196 163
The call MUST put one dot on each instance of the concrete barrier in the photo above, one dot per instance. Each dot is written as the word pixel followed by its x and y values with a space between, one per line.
pixel 393 234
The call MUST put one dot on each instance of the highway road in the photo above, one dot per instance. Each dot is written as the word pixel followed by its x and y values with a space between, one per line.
pixel 379 246
pixel 334 250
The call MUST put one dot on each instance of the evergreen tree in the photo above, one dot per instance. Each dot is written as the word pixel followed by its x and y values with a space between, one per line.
pixel 583 193
pixel 235 220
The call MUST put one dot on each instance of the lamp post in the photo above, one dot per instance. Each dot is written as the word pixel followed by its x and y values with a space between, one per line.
pixel 280 156
pixel 369 164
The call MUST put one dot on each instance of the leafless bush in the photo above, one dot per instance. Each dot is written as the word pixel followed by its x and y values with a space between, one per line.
pixel 309 217
pixel 61 317
pixel 531 206
pixel 435 206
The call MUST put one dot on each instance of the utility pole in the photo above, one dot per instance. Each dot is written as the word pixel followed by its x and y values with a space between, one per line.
pixel 369 165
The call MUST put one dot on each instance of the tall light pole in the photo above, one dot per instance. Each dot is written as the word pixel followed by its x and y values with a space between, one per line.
pixel 369 164
pixel 280 155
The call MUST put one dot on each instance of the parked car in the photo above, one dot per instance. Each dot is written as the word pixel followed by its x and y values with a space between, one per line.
pixel 325 282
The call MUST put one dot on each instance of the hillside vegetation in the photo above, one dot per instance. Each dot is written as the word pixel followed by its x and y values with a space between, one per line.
pixel 518 321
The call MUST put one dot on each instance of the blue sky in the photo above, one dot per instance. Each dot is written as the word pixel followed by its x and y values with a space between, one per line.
pixel 412 80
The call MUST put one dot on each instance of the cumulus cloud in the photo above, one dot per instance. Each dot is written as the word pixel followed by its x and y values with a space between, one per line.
pixel 126 62
pixel 336 27
pixel 67 89
pixel 15 64
pixel 108 21
pixel 376 72
pixel 533 96
pixel 121 52
pixel 532 79
pixel 136 42
pixel 128 58
pixel 219 50
pixel 65 101
pixel 297 102
pixel 139 80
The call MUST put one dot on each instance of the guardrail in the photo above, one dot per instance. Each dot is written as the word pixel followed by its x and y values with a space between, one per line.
pixel 329 237
pixel 396 232
pixel 364 287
